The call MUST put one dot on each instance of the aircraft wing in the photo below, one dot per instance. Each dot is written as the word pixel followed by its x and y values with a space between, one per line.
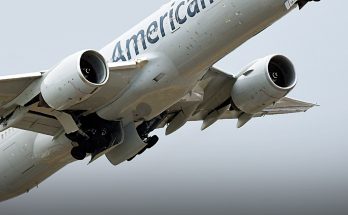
pixel 210 101
pixel 13 85
pixel 11 94
pixel 21 97
pixel 283 106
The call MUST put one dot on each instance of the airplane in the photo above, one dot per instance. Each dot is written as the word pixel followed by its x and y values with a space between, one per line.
pixel 159 74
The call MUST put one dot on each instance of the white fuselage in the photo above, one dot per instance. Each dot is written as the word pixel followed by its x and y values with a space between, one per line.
pixel 181 41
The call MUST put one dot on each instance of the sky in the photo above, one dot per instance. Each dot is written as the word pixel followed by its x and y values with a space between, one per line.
pixel 291 164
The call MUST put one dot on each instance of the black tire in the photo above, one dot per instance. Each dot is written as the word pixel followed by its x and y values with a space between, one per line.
pixel 152 141
pixel 78 153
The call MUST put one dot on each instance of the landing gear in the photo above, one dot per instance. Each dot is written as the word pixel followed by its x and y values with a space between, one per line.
pixel 302 3
pixel 78 153
pixel 151 141
pixel 145 128
pixel 95 136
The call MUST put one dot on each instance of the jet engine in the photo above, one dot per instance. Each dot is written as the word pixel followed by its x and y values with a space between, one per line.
pixel 263 83
pixel 74 79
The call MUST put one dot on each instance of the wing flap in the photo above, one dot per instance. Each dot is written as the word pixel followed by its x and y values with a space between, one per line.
pixel 39 123
pixel 13 85
pixel 283 106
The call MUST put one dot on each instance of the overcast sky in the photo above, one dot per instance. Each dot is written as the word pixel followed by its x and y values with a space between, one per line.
pixel 293 164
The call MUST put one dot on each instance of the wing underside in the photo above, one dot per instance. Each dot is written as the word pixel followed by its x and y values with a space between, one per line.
pixel 12 86
pixel 11 90
pixel 22 105
pixel 210 101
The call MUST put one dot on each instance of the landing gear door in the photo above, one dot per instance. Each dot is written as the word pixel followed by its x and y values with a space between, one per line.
pixel 130 147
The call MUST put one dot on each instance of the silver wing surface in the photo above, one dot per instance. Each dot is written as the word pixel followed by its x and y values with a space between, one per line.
pixel 13 85
pixel 12 94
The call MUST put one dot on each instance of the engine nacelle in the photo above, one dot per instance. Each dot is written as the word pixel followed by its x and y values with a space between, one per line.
pixel 263 83
pixel 74 79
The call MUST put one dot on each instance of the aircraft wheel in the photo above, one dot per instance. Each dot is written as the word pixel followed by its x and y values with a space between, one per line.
pixel 152 141
pixel 78 153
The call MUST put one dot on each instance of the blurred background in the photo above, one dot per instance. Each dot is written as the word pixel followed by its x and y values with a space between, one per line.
pixel 292 164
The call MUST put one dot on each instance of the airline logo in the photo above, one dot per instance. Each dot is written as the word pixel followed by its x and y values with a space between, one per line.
pixel 179 13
